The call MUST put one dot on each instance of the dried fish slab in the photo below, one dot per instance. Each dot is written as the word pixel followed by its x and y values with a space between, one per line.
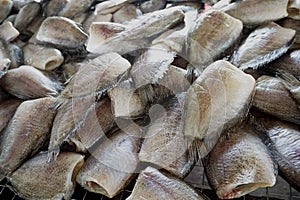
pixel 5 6
pixel 164 144
pixel 39 179
pixel 253 12
pixel 272 97
pixel 152 184
pixel 263 45
pixel 7 110
pixel 27 82
pixel 113 163
pixel 214 32
pixel 239 164
pixel 217 100
pixel 26 132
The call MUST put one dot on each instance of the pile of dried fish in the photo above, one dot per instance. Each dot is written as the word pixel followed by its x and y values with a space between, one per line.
pixel 101 92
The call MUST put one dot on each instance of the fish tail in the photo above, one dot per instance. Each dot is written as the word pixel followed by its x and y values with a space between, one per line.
pixel 289 80
pixel 194 149
pixel 52 155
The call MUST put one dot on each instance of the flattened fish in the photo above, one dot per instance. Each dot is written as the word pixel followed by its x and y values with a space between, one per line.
pixel 164 143
pixel 214 33
pixel 254 12
pixel 7 110
pixel 39 179
pixel 26 132
pixel 113 163
pixel 153 185
pixel 239 164
pixel 27 82
pixel 263 45
pixel 217 100
pixel 272 97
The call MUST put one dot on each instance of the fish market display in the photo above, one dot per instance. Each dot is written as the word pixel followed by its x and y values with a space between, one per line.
pixel 152 184
pixel 239 164
pixel 127 98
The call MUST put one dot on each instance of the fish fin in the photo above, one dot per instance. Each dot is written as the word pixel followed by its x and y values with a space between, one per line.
pixel 58 103
pixel 289 80
pixel 53 154
pixel 195 149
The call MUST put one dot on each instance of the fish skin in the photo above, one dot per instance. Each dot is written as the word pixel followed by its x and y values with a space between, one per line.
pixel 153 185
pixel 272 97
pixel 6 7
pixel 239 163
pixel 26 132
pixel 7 110
pixel 292 24
pixel 263 45
pixel 139 30
pixel 27 82
pixel 218 99
pixel 284 142
pixel 113 163
pixel 254 12
pixel 214 33
pixel 164 144
pixel 38 179
pixel 4 66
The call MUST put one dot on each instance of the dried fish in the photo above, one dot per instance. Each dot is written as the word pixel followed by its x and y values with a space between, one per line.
pixel 110 6
pixel 41 57
pixel 15 55
pixel 214 33
pixel 272 97
pixel 27 82
pixel 140 30
pixel 26 132
pixel 113 163
pixel 293 9
pixel 94 17
pixel 61 32
pixel 217 100
pixel 152 184
pixel 7 110
pixel 4 66
pixel 263 45
pixel 38 179
pixel 153 5
pixel 239 164
pixel 292 24
pixel 254 12
pixel 292 84
pixel 284 138
pixel 289 62
pixel 67 8
pixel 8 32
pixel 26 15
pixel 126 13
pixel 5 6
pixel 126 102
pixel 164 144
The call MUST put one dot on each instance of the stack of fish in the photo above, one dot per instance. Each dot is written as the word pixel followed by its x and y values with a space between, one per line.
pixel 96 92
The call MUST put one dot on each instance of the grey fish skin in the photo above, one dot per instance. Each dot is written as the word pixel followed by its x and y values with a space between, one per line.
pixel 214 33
pixel 61 32
pixel 7 110
pixel 27 82
pixel 292 24
pixel 164 144
pixel 239 163
pixel 113 163
pixel 254 12
pixel 5 6
pixel 272 97
pixel 263 45
pixel 218 99
pixel 284 138
pixel 28 129
pixel 140 30
pixel 153 185
pixel 38 179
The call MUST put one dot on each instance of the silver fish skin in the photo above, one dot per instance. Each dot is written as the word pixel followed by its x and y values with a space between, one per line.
pixel 272 97
pixel 113 163
pixel 140 30
pixel 7 110
pixel 239 163
pixel 38 179
pixel 26 132
pixel 218 99
pixel 263 45
pixel 254 12
pixel 214 33
pixel 153 185
pixel 27 82
pixel 164 144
